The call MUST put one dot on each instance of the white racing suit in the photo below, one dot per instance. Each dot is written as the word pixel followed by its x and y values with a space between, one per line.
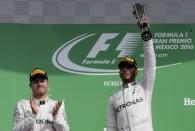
pixel 25 120
pixel 129 108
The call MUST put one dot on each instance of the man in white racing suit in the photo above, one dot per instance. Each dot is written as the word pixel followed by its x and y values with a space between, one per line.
pixel 129 108
pixel 40 113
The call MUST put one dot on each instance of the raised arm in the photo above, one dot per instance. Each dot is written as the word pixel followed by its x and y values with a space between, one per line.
pixel 149 66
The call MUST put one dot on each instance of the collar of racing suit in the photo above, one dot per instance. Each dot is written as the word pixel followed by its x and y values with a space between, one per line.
pixel 128 84
pixel 41 101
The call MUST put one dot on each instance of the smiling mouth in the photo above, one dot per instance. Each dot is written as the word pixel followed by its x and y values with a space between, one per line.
pixel 126 74
pixel 40 87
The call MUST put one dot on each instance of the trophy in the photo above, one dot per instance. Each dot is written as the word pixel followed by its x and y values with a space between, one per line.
pixel 139 12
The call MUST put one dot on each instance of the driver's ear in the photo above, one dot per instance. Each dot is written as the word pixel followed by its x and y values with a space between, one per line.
pixel 119 73
pixel 47 82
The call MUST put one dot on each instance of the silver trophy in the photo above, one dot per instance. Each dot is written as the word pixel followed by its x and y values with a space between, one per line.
pixel 139 13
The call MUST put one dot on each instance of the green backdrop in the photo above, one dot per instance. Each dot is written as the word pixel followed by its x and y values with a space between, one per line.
pixel 24 47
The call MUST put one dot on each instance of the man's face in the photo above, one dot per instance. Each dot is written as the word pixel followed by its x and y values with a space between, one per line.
pixel 39 86
pixel 127 72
